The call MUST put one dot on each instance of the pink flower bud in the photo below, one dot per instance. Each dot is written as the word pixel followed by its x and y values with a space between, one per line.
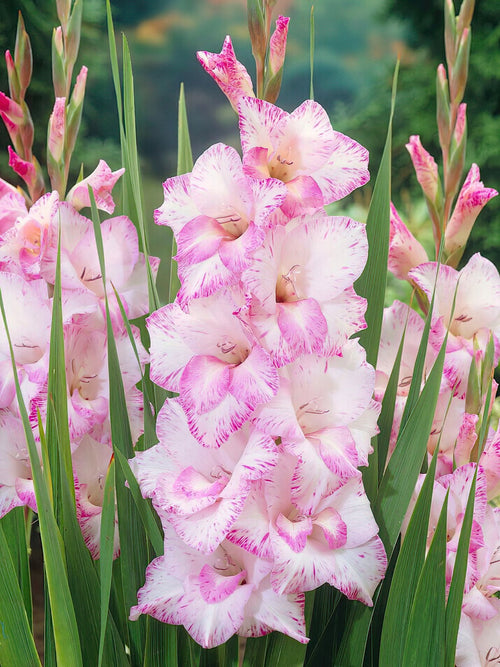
pixel 26 170
pixel 277 44
pixel 460 124
pixel 30 172
pixel 23 57
pixel 229 74
pixel 102 181
pixel 14 85
pixel 425 167
pixel 79 89
pixel 405 252
pixel 443 108
pixel 11 109
pixel 57 125
pixel 473 196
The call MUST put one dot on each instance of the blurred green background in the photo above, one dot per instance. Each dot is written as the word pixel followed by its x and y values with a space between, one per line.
pixel 356 47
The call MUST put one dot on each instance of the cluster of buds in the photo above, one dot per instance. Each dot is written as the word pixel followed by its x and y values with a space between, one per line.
pixel 256 474
pixel 30 236
pixel 64 121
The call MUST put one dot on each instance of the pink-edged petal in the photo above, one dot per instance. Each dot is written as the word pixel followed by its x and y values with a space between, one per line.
pixel 219 187
pixel 345 170
pixel 214 427
pixel 203 279
pixel 359 570
pixel 256 379
pixel 294 533
pixel 344 315
pixel 199 239
pixel 308 137
pixel 236 253
pixel 206 529
pixel 258 123
pixel 204 383
pixel 472 198
pixel 268 195
pixel 334 529
pixel 302 325
pixel 304 196
pixel 298 571
pixel 169 352
pixel 266 611
pixel 178 207
pixel 258 458
pixel 338 451
pixel 251 530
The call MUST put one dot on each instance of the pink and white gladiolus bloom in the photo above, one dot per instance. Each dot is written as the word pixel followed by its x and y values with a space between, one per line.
pixel 476 290
pixel 317 164
pixel 218 216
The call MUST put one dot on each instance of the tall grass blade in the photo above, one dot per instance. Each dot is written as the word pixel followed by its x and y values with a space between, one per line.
pixel 17 529
pixel 106 553
pixel 425 639
pixel 133 543
pixel 406 574
pixel 311 54
pixel 17 646
pixel 372 282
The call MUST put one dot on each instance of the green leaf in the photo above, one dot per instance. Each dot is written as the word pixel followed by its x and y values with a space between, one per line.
pixel 143 507
pixel 386 418
pixel 57 429
pixel 372 282
pixel 184 165
pixel 184 152
pixel 402 471
pixel 17 646
pixel 17 530
pixel 133 543
pixel 425 639
pixel 106 549
pixel 406 575
pixel 311 53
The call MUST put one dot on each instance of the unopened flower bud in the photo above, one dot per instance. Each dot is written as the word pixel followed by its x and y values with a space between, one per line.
pixel 465 15
pixel 229 74
pixel 57 125
pixel 30 172
pixel 425 168
pixel 23 57
pixel 277 44
pixel 460 68
pixel 450 32
pixel 63 10
pixel 14 85
pixel 257 29
pixel 73 35
pixel 471 200
pixel 74 112
pixel 443 107
pixel 58 63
